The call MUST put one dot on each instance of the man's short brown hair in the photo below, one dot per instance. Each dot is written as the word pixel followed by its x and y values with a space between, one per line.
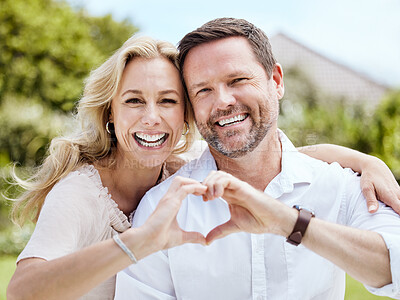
pixel 229 27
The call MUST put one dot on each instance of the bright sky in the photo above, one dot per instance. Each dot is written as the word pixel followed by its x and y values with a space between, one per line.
pixel 362 34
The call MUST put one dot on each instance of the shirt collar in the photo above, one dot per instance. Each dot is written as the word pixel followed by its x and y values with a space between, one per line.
pixel 294 168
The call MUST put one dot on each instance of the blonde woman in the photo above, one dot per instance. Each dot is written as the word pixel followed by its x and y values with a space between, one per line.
pixel 131 117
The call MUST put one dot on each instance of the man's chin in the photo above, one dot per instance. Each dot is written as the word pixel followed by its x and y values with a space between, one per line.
pixel 231 150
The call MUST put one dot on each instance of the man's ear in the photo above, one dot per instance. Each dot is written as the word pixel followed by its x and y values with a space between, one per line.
pixel 277 77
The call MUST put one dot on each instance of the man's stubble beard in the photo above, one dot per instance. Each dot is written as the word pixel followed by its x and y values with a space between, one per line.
pixel 257 133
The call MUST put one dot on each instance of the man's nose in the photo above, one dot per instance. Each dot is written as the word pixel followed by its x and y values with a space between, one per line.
pixel 224 98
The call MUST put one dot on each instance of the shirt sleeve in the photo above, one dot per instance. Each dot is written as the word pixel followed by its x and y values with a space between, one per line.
pixel 151 277
pixel 385 222
pixel 67 220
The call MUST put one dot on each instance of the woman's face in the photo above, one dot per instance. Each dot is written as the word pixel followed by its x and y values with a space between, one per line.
pixel 148 112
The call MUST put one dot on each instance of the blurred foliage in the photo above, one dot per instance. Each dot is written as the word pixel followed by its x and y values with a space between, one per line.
pixel 309 116
pixel 47 49
pixel 385 132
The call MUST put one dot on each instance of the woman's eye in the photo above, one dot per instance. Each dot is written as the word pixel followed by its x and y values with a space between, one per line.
pixel 133 101
pixel 167 100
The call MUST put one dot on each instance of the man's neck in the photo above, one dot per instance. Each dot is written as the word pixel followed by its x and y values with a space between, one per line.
pixel 258 167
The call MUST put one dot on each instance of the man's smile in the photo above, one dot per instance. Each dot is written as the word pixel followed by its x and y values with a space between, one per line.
pixel 232 120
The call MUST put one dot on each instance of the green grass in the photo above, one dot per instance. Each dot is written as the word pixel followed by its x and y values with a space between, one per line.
pixel 7 268
pixel 354 289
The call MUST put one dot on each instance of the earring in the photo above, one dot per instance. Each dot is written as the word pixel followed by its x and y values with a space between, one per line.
pixel 108 127
pixel 187 128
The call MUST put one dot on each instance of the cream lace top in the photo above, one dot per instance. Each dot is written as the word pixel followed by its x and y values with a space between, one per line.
pixel 77 212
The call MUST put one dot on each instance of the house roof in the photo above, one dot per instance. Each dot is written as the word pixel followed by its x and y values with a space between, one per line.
pixel 332 77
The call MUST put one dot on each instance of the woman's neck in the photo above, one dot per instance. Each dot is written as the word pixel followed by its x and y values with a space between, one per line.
pixel 127 183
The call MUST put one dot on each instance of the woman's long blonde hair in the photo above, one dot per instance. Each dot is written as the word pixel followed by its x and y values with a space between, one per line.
pixel 91 143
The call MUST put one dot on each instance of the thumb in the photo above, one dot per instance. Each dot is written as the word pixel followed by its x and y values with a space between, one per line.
pixel 221 231
pixel 193 237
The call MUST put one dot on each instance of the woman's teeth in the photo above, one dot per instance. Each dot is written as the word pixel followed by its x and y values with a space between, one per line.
pixel 233 120
pixel 150 140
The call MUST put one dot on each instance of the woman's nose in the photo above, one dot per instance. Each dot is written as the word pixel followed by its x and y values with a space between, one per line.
pixel 151 116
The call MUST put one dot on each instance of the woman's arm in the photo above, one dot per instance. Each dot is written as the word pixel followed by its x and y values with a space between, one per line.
pixel 377 181
pixel 74 275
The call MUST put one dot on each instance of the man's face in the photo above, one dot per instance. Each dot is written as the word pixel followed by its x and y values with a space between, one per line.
pixel 234 102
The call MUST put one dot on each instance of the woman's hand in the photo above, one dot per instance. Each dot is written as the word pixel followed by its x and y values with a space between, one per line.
pixel 378 183
pixel 162 227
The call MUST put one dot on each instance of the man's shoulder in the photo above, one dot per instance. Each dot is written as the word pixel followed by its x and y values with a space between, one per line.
pixel 318 169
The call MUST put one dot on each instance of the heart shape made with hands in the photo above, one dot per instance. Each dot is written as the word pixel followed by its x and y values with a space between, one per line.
pixel 198 215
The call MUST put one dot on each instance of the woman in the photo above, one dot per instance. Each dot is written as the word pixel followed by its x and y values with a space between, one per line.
pixel 132 115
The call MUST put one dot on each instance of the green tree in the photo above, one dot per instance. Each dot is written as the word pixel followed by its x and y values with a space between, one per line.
pixel 46 51
pixel 310 116
pixel 385 133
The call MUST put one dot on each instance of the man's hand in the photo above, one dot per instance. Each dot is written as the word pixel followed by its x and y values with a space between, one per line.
pixel 251 210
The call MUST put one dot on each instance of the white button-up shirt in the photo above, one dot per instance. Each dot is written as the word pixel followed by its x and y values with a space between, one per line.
pixel 259 266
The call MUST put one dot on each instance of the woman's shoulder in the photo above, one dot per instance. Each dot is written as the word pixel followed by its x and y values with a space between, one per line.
pixel 82 187
pixel 85 188
pixel 82 179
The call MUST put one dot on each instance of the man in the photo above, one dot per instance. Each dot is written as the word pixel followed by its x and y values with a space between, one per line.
pixel 234 85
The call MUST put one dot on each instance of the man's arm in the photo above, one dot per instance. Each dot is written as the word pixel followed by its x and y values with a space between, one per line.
pixel 377 181
pixel 361 253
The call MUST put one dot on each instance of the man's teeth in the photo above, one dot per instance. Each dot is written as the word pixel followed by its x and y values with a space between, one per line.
pixel 150 140
pixel 232 120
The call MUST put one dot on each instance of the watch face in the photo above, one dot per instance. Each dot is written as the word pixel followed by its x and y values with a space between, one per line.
pixel 298 207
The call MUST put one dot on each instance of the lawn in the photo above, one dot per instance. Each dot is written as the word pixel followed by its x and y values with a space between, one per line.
pixel 354 289
pixel 7 267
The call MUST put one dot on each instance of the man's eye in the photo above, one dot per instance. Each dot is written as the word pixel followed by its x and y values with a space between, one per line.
pixel 238 79
pixel 203 90
pixel 167 100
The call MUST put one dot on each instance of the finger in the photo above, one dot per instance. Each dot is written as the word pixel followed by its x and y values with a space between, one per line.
pixel 216 183
pixel 368 191
pixel 390 198
pixel 178 181
pixel 192 188
pixel 193 237
pixel 172 201
pixel 221 231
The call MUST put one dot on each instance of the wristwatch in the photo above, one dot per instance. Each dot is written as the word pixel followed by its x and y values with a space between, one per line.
pixel 301 225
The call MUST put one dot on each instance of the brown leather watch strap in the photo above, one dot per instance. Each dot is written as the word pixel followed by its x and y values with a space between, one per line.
pixel 300 227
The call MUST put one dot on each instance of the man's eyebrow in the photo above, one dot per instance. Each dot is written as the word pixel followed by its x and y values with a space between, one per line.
pixel 198 85
pixel 237 74
pixel 132 91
